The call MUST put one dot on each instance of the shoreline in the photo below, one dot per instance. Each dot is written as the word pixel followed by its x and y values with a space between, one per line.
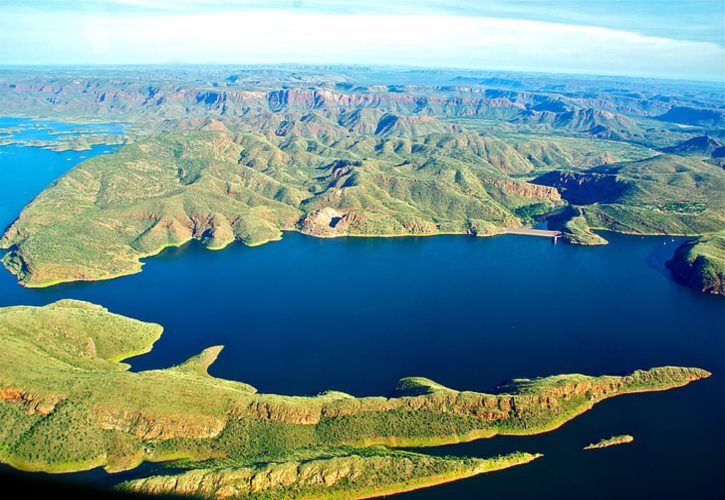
pixel 139 262
pixel 392 443
pixel 434 442
pixel 482 466
pixel 434 481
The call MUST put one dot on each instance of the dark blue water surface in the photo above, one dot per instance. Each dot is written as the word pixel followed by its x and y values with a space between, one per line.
pixel 355 314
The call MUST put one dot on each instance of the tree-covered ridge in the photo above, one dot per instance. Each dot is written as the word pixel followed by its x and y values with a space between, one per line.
pixel 218 186
pixel 360 474
pixel 67 403
pixel 381 176
pixel 611 441
pixel 664 194
pixel 700 263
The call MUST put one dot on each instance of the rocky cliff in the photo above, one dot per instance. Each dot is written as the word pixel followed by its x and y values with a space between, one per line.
pixel 700 263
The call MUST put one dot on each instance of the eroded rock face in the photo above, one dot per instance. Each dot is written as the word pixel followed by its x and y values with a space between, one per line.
pixel 349 476
pixel 325 223
pixel 526 190
pixel 29 403
pixel 281 412
pixel 700 264
pixel 158 427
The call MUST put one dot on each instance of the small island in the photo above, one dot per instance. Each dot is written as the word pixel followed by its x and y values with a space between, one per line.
pixel 612 441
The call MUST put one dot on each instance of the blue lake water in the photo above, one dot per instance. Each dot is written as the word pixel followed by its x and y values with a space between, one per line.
pixel 25 171
pixel 303 315
pixel 28 129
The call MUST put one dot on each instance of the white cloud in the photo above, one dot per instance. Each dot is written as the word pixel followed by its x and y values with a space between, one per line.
pixel 284 36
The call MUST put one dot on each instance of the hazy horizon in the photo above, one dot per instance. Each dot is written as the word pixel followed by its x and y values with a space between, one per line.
pixel 299 67
pixel 637 38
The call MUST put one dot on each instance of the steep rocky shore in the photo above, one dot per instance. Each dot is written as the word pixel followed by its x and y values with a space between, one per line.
pixel 700 263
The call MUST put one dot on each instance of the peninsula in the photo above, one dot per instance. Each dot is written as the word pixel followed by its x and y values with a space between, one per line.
pixel 700 263
pixel 69 403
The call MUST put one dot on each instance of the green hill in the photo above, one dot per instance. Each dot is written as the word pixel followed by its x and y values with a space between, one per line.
pixel 219 186
pixel 700 263
pixel 594 122
pixel 68 403
pixel 665 194
pixel 219 156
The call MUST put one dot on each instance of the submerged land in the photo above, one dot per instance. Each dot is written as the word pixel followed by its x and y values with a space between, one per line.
pixel 69 403
pixel 243 155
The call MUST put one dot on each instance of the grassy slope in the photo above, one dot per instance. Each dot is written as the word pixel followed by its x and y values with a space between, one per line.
pixel 664 194
pixel 363 474
pixel 67 403
pixel 362 161
pixel 107 213
pixel 333 173
pixel 561 152
pixel 700 263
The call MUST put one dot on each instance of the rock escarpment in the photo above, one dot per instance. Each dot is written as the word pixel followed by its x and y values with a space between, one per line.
pixel 352 476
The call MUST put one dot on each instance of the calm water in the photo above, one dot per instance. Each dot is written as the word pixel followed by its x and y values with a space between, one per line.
pixel 303 315
pixel 27 129
pixel 25 171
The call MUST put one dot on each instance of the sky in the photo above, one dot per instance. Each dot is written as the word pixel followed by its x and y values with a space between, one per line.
pixel 655 38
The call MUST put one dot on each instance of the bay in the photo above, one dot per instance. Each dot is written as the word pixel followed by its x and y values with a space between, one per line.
pixel 304 315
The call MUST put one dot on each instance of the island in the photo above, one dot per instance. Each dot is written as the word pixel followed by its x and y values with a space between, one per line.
pixel 245 157
pixel 612 441
pixel 69 403
pixel 32 133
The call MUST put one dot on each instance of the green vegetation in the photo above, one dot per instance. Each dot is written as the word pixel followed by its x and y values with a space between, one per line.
pixel 612 441
pixel 548 152
pixel 358 475
pixel 577 231
pixel 100 219
pixel 68 403
pixel 222 157
pixel 218 186
pixel 700 263
pixel 702 146
pixel 529 213
pixel 664 194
